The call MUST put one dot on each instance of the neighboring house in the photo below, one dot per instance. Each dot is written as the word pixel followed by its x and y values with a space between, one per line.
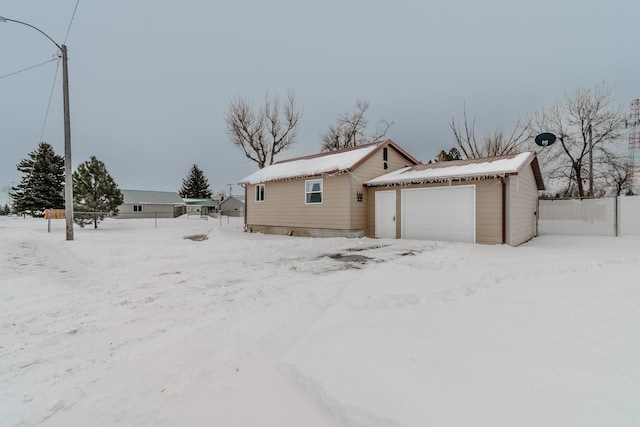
pixel 379 190
pixel 492 200
pixel 232 206
pixel 319 195
pixel 150 204
pixel 202 207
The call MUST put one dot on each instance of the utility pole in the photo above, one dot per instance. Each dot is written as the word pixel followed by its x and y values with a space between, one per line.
pixel 68 180
pixel 68 177
pixel 230 187
pixel 590 161
pixel 634 140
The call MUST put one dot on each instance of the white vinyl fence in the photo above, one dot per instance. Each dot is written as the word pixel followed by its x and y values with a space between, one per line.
pixel 629 216
pixel 613 216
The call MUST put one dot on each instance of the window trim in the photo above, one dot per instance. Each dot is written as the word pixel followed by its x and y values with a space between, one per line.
pixel 306 192
pixel 137 208
pixel 259 199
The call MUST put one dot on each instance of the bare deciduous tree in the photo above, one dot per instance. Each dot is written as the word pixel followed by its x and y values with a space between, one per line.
pixel 617 175
pixel 497 144
pixel 572 120
pixel 262 134
pixel 350 130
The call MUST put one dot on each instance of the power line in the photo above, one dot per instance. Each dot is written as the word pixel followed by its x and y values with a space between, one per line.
pixel 71 22
pixel 53 86
pixel 28 68
pixel 55 77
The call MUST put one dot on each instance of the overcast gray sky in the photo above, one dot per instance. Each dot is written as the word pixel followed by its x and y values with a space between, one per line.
pixel 150 81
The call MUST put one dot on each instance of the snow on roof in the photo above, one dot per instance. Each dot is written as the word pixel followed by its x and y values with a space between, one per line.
pixel 311 165
pixel 151 197
pixel 237 197
pixel 201 202
pixel 456 170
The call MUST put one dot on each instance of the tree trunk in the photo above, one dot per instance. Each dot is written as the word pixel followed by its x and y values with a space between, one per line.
pixel 577 167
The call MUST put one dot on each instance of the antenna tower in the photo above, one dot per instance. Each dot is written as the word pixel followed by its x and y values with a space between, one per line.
pixel 634 139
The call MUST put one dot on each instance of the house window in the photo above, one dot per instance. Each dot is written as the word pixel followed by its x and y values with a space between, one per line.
pixel 385 154
pixel 137 208
pixel 313 191
pixel 260 193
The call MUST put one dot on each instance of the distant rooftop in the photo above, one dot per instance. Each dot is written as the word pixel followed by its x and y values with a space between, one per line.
pixel 152 197
pixel 201 202
pixel 237 197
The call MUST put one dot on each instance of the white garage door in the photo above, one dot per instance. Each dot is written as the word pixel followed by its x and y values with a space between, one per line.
pixel 440 213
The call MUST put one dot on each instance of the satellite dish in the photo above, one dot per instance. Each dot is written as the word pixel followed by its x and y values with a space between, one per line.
pixel 545 139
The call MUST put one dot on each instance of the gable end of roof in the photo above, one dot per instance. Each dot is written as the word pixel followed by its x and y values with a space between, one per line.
pixel 327 163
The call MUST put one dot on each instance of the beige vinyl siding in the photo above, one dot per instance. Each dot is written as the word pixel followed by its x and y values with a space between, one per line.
pixel 370 169
pixel 489 212
pixel 488 208
pixel 358 209
pixel 284 204
pixel 369 194
pixel 522 196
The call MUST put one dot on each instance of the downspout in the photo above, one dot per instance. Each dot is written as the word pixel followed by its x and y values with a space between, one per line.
pixel 504 210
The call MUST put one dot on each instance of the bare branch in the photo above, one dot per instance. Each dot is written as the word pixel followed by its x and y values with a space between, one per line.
pixel 350 130
pixel 571 120
pixel 496 144
pixel 262 135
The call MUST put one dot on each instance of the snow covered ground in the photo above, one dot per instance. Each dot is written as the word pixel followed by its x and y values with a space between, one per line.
pixel 132 325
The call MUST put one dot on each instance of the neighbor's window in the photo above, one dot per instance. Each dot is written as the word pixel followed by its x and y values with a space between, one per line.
pixel 137 208
pixel 260 193
pixel 385 154
pixel 313 191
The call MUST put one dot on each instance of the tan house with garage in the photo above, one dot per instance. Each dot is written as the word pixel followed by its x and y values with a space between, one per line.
pixel 492 201
pixel 319 195
pixel 379 190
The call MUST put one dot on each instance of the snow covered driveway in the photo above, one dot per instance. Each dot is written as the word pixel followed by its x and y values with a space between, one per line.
pixel 132 325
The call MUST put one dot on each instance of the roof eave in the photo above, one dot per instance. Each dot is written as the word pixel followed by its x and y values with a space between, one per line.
pixel 440 179
pixel 531 160
pixel 537 173
pixel 290 178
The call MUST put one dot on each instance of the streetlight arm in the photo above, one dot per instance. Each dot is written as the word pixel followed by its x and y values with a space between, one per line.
pixel 3 19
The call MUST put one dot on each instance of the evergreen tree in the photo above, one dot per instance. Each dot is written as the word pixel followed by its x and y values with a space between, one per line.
pixel 5 210
pixel 443 156
pixel 94 190
pixel 42 185
pixel 195 185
